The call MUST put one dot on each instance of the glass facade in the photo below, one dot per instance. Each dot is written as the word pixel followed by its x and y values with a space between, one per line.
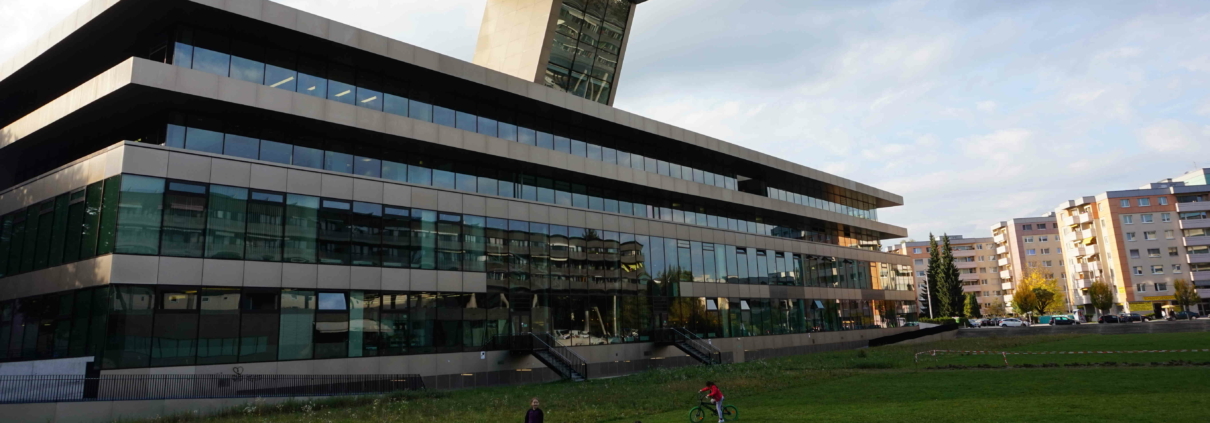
pixel 581 38
pixel 417 169
pixel 586 48
pixel 128 326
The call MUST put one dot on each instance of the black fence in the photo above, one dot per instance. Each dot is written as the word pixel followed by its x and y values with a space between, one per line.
pixel 906 336
pixel 49 388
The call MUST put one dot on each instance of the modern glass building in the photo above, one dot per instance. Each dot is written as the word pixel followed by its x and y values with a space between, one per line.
pixel 189 186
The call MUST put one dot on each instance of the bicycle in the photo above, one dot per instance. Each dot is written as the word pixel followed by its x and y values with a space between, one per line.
pixel 698 414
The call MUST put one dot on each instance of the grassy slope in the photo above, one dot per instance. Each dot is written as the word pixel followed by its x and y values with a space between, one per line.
pixel 841 386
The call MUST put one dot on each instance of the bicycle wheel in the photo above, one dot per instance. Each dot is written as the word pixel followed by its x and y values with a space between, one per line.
pixel 730 413
pixel 697 415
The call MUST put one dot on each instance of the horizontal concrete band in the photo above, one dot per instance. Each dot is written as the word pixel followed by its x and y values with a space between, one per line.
pixel 145 73
pixel 272 13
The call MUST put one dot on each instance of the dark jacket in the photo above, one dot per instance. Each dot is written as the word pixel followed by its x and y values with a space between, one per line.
pixel 534 416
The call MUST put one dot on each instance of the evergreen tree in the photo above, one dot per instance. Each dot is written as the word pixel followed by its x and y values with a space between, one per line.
pixel 932 277
pixel 972 307
pixel 949 290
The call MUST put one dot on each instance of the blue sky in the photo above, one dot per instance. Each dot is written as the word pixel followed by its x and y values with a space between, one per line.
pixel 974 111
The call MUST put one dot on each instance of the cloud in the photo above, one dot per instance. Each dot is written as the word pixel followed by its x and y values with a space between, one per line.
pixel 986 106
pixel 1173 136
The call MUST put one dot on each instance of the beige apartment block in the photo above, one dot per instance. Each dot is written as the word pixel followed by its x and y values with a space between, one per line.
pixel 975 259
pixel 1024 244
pixel 1140 241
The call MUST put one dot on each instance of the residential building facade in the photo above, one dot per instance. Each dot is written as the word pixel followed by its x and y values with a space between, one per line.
pixel 1023 245
pixel 975 259
pixel 1139 241
pixel 192 186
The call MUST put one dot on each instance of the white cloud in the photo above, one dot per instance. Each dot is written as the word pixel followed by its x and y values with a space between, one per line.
pixel 1172 136
pixel 986 106
pixel 1197 64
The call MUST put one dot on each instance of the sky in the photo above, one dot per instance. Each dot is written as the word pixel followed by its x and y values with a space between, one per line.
pixel 974 111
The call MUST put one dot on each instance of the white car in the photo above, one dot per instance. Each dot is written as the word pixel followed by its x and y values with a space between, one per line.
pixel 1011 322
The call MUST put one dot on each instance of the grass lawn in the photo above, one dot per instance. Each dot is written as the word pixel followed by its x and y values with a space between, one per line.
pixel 874 385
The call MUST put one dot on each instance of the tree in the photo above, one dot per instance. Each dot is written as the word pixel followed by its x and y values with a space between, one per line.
pixel 949 287
pixel 972 307
pixel 1101 295
pixel 933 278
pixel 1038 292
pixel 997 308
pixel 1185 294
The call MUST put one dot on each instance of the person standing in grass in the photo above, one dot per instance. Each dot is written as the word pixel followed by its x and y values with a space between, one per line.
pixel 534 415
pixel 716 396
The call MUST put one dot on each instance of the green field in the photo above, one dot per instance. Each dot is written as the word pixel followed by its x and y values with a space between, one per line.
pixel 874 385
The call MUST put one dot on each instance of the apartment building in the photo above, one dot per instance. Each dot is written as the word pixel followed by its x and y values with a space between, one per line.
pixel 975 259
pixel 1140 241
pixel 1024 244
pixel 195 186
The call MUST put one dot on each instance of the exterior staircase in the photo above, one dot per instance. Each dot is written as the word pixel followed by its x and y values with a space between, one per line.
pixel 557 357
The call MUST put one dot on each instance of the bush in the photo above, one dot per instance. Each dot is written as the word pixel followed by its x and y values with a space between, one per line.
pixel 941 321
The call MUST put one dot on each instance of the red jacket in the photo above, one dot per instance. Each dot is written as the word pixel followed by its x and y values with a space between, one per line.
pixel 716 394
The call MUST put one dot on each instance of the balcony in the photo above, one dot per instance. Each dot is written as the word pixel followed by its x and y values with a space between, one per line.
pixel 1082 283
pixel 1006 274
pixel 1086 250
pixel 1093 267
pixel 1195 223
pixel 1080 299
pixel 965 264
pixel 1197 258
pixel 1204 293
pixel 1077 219
pixel 967 289
pixel 1001 250
pixel 1000 239
pixel 1196 240
pixel 1008 300
pixel 1192 207
pixel 1006 286
pixel 1002 262
pixel 968 277
pixel 1200 276
pixel 965 253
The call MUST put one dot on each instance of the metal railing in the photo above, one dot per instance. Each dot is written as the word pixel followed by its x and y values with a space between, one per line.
pixel 547 342
pixel 51 388
pixel 713 354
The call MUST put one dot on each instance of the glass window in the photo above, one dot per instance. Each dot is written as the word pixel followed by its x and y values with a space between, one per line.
pixel 217 340
pixel 308 157
pixel 247 70
pixel 211 61
pixel 334 235
pixel 278 72
pixel 365 166
pixel 579 148
pixel 465 121
pixel 204 141
pixel 443 116
pixel 297 324
pixel 424 239
pixel 184 225
pixel 91 227
pixel 369 99
pixel 276 152
pixel 130 328
pixel 449 242
pixel 331 326
pixel 395 105
pixel 140 215
pixel 302 225
pixel 420 110
pixel 396 237
pixel 366 234
pixel 175 330
pixel 266 218
pixel 338 90
pixel 338 162
pixel 226 222
pixel 259 323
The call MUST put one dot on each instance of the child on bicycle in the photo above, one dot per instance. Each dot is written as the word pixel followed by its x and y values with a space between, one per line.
pixel 716 396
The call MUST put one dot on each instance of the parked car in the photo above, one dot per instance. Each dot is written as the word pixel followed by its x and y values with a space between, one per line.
pixel 1183 315
pixel 1109 318
pixel 992 322
pixel 1062 321
pixel 1132 317
pixel 1012 322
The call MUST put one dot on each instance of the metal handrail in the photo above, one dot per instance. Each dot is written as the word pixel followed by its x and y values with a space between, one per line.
pixel 78 388
pixel 547 342
pixel 696 342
